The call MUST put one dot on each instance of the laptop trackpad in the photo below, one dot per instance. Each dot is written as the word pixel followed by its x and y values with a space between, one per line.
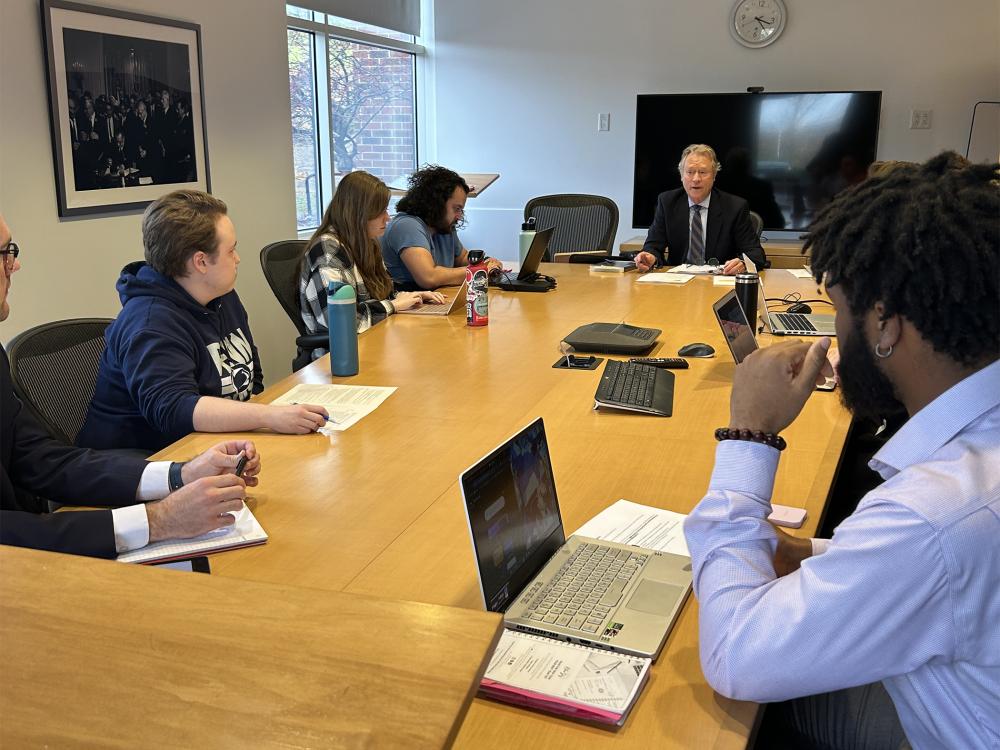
pixel 655 597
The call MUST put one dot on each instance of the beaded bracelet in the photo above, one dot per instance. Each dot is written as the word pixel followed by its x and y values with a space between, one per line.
pixel 755 436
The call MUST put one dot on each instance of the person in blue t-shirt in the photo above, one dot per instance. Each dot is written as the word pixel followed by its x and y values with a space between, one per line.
pixel 180 356
pixel 421 247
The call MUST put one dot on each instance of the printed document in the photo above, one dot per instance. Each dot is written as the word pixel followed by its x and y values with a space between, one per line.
pixel 665 278
pixel 346 404
pixel 698 270
pixel 639 525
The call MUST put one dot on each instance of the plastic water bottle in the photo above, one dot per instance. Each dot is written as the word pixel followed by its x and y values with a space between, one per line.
pixel 477 300
pixel 525 238
pixel 341 320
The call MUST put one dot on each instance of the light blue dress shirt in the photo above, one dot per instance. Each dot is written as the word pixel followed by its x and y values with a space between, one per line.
pixel 907 592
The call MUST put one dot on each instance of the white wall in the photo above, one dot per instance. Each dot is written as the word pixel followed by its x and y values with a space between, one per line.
pixel 520 83
pixel 70 265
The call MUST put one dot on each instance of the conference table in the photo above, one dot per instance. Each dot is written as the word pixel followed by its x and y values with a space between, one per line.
pixel 377 509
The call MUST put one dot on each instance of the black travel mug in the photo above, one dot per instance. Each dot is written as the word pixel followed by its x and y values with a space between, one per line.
pixel 746 295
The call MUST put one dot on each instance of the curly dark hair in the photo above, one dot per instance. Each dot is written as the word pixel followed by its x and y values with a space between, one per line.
pixel 430 187
pixel 922 240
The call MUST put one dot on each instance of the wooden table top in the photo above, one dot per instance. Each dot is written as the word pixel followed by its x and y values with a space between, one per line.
pixel 377 509
pixel 125 656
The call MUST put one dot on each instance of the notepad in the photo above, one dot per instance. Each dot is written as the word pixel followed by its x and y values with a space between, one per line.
pixel 246 532
pixel 565 679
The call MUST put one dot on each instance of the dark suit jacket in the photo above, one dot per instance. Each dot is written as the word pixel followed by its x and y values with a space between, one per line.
pixel 730 231
pixel 32 462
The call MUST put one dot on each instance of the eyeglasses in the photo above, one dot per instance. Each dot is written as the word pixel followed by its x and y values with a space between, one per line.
pixel 9 252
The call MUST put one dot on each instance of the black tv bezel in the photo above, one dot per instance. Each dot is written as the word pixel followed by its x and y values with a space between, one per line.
pixel 635 139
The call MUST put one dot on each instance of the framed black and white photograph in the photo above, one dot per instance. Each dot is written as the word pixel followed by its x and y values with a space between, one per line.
pixel 126 105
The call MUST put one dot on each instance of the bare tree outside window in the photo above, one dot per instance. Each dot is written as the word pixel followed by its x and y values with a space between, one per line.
pixel 371 98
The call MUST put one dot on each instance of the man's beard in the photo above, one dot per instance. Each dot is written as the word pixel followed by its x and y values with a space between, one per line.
pixel 864 389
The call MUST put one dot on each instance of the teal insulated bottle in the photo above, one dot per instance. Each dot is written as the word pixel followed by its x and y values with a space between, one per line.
pixel 341 320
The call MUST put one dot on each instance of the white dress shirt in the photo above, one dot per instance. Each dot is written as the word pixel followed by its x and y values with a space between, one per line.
pixel 131 523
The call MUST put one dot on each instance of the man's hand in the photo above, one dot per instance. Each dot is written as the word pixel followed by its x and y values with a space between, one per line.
pixel 645 261
pixel 771 386
pixel 733 267
pixel 790 553
pixel 222 459
pixel 296 419
pixel 196 508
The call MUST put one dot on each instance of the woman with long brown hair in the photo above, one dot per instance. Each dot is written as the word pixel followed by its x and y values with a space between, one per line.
pixel 345 248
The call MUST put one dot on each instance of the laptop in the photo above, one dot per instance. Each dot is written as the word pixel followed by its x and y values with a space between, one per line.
pixel 454 300
pixel 790 324
pixel 739 335
pixel 528 278
pixel 600 594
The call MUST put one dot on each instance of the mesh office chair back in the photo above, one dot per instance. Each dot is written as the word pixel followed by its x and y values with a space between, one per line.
pixel 583 223
pixel 54 368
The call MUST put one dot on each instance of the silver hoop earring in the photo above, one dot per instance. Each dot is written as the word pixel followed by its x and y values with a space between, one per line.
pixel 880 355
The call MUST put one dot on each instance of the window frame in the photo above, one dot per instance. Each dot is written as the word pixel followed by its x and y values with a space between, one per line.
pixel 321 33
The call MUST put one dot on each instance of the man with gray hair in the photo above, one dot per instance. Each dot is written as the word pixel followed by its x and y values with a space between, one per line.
pixel 696 223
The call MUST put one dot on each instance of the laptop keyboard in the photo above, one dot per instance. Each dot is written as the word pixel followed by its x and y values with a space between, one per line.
pixel 586 588
pixel 795 321
pixel 627 383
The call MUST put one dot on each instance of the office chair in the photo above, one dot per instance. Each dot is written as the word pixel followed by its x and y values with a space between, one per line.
pixel 53 369
pixel 280 262
pixel 583 224
pixel 758 228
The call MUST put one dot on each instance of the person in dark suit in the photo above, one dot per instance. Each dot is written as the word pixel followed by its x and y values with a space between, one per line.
pixel 695 222
pixel 191 498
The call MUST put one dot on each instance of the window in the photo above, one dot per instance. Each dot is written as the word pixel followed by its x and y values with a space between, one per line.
pixel 353 104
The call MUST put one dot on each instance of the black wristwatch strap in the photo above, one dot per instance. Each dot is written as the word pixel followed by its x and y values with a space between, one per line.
pixel 174 479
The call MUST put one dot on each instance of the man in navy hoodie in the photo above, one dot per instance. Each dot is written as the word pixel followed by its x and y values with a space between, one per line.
pixel 191 498
pixel 180 356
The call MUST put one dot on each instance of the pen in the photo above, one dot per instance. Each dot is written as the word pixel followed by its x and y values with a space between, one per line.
pixel 326 418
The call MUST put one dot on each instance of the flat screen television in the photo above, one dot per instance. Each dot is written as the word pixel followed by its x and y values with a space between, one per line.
pixel 787 153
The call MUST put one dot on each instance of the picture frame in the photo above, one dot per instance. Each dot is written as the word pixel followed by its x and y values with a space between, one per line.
pixel 126 107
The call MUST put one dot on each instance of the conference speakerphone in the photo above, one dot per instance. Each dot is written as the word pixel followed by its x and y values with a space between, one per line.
pixel 613 338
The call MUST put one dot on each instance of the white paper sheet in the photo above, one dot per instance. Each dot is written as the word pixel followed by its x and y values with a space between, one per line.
pixel 724 281
pixel 665 278
pixel 346 404
pixel 698 270
pixel 639 525
pixel 800 273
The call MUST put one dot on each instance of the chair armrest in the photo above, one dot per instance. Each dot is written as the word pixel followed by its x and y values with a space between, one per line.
pixel 313 341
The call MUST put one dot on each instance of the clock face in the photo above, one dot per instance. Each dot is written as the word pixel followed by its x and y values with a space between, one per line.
pixel 758 23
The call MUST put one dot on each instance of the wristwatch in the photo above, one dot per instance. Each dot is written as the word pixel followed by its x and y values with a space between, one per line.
pixel 174 479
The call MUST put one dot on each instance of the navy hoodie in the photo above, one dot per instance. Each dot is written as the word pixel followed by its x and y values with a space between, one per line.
pixel 163 353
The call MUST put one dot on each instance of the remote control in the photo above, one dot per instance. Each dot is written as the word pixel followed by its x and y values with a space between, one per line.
pixel 667 363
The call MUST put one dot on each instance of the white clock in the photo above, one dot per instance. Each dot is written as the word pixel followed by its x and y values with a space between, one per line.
pixel 758 23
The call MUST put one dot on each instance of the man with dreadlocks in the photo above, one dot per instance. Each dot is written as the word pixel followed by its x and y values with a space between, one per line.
pixel 892 627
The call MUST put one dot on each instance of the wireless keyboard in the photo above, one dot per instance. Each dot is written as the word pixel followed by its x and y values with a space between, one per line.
pixel 636 387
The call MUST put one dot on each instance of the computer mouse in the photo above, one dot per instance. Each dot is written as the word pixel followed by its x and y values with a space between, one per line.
pixel 696 349
pixel 800 307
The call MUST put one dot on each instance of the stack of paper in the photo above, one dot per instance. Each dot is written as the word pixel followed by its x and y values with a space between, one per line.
pixel 563 678
pixel 626 522
pixel 665 278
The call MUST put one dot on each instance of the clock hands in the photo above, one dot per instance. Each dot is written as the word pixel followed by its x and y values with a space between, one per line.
pixel 761 21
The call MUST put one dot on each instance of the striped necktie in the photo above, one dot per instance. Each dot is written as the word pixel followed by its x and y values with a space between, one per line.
pixel 696 250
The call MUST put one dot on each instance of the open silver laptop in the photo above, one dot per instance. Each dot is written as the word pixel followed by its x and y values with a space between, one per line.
pixel 789 324
pixel 454 300
pixel 582 590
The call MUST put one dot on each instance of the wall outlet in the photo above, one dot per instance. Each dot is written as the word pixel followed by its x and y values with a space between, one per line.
pixel 920 119
pixel 604 121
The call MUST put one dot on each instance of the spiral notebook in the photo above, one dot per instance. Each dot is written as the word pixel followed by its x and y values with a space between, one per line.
pixel 246 532
pixel 565 679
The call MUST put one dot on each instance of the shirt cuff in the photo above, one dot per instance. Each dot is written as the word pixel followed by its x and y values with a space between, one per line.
pixel 745 467
pixel 131 527
pixel 153 484
pixel 819 545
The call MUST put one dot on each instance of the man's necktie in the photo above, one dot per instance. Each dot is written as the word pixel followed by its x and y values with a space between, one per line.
pixel 696 250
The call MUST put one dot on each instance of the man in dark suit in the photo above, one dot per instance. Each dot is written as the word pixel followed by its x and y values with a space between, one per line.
pixel 695 222
pixel 197 496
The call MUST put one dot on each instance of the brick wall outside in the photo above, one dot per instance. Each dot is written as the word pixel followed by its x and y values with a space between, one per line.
pixel 387 147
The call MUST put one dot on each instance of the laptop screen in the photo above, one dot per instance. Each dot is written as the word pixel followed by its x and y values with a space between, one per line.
pixel 513 514
pixel 733 322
